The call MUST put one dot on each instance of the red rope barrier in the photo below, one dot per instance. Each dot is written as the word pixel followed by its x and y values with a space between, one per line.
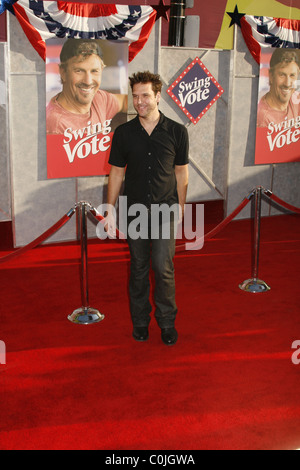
pixel 119 234
pixel 282 203
pixel 217 229
pixel 38 240
pixel 227 220
pixel 196 245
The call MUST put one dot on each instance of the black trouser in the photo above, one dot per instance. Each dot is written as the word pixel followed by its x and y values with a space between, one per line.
pixel 160 252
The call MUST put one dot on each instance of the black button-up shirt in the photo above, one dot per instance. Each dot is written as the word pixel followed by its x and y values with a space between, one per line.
pixel 150 160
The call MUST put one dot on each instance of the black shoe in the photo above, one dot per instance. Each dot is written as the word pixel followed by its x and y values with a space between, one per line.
pixel 169 336
pixel 140 333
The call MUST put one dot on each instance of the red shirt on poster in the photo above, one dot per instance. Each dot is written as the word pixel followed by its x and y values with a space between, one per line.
pixel 79 144
pixel 267 115
pixel 104 107
pixel 278 132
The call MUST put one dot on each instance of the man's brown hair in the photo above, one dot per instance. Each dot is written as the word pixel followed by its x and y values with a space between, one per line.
pixel 80 48
pixel 146 77
pixel 284 56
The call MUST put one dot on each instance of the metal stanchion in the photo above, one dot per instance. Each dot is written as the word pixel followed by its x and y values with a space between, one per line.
pixel 84 315
pixel 256 285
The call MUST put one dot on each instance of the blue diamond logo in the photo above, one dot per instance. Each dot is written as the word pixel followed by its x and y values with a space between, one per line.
pixel 195 91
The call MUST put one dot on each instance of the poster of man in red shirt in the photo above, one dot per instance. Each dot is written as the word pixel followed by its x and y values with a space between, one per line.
pixel 87 86
pixel 278 113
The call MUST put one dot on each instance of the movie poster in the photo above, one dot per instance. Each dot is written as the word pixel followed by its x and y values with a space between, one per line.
pixel 278 113
pixel 86 94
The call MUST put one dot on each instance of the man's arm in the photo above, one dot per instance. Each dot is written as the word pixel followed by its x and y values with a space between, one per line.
pixel 115 182
pixel 182 177
pixel 123 103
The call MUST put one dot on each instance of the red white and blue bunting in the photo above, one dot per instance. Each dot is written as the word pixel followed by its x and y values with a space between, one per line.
pixel 44 20
pixel 261 32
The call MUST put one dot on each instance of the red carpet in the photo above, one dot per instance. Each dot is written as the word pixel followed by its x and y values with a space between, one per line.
pixel 229 383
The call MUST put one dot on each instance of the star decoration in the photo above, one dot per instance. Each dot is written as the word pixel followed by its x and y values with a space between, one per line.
pixel 161 10
pixel 235 17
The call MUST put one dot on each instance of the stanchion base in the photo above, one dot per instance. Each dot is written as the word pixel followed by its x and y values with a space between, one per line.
pixel 254 286
pixel 86 316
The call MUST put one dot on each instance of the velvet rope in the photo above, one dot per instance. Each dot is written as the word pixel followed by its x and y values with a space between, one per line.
pixel 121 236
pixel 38 240
pixel 217 229
pixel 282 203
pixel 228 219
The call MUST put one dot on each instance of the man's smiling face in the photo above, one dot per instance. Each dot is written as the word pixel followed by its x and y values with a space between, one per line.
pixel 81 77
pixel 145 101
pixel 283 82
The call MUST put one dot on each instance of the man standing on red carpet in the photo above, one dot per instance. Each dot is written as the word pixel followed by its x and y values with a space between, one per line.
pixel 151 151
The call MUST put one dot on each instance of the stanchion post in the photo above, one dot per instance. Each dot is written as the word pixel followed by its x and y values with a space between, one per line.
pixel 257 226
pixel 84 256
pixel 256 285
pixel 84 315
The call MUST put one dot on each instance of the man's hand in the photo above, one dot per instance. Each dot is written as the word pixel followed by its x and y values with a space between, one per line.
pixel 110 225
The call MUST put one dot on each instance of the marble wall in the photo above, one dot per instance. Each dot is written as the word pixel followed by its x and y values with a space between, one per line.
pixel 5 189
